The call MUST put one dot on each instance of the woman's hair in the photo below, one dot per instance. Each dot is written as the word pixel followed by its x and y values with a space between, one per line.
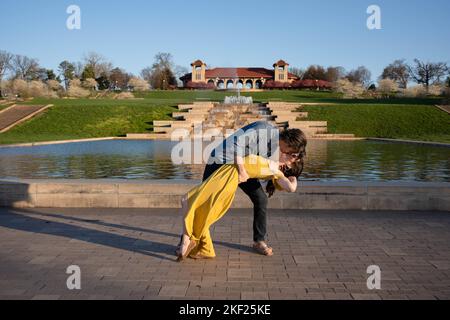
pixel 294 171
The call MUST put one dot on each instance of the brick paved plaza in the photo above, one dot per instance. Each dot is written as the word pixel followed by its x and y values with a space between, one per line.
pixel 128 254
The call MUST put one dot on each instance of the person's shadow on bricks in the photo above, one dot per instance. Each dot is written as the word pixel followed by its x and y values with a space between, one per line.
pixel 26 220
pixel 37 225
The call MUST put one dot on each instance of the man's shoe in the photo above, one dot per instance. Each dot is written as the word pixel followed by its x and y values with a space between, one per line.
pixel 262 248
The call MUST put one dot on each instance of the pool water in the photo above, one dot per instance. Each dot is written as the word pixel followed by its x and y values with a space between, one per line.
pixel 141 159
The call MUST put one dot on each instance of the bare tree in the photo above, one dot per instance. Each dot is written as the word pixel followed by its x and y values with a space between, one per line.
pixel 98 63
pixel 397 71
pixel 24 67
pixel 179 72
pixel 428 73
pixel 163 60
pixel 360 75
pixel 146 74
pixel 333 74
pixel 5 65
pixel 315 72
pixel 119 79
pixel 78 68
pixel 299 72
pixel 160 74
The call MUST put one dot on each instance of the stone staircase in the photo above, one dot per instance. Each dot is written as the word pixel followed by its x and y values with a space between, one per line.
pixel 225 118
pixel 286 114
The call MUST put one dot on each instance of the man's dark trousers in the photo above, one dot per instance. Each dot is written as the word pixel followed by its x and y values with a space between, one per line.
pixel 259 198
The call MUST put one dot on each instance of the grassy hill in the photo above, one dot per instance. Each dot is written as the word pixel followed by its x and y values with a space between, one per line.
pixel 84 118
pixel 88 118
pixel 395 121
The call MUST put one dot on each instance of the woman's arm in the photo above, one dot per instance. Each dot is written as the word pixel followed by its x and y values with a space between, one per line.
pixel 288 184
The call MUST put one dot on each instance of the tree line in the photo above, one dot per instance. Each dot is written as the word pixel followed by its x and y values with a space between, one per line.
pixel 96 73
pixel 420 72
pixel 93 72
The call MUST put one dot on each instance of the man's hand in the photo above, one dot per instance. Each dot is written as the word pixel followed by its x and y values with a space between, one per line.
pixel 243 175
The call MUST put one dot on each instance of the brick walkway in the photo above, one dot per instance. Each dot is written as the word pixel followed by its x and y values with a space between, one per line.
pixel 16 114
pixel 128 254
pixel 444 108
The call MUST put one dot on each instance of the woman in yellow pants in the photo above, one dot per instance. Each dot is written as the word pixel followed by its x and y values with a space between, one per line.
pixel 208 202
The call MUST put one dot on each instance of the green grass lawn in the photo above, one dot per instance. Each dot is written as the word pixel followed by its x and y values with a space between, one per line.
pixel 79 119
pixel 395 121
pixel 184 96
pixel 89 118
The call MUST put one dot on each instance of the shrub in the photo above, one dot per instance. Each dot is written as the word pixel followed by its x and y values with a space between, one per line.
pixel 200 85
pixel 447 92
pixel 24 89
pixel 436 90
pixel 418 91
pixel 89 84
pixel 75 82
pixel 271 84
pixel 38 89
pixel 349 89
pixel 312 84
pixel 20 88
pixel 387 87
pixel 125 95
pixel 54 85
pixel 77 92
pixel 138 84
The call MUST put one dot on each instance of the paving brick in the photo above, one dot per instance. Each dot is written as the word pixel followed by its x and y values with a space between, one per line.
pixel 129 254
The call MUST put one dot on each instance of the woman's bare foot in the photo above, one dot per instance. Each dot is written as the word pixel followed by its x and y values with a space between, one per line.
pixel 187 245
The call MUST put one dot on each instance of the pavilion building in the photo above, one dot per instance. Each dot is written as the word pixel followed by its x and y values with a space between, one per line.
pixel 237 78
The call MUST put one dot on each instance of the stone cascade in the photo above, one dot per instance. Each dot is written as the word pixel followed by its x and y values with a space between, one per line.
pixel 221 118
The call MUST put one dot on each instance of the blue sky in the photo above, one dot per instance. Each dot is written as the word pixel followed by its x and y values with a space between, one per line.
pixel 229 33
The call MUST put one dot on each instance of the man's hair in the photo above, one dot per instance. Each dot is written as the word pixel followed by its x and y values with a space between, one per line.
pixel 295 139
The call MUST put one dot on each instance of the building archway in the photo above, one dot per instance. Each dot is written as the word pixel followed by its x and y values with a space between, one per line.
pixel 211 83
pixel 220 84
pixel 249 84
pixel 240 85
pixel 258 84
pixel 230 84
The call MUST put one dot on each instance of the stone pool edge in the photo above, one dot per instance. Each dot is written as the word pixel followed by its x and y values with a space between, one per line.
pixel 33 144
pixel 118 193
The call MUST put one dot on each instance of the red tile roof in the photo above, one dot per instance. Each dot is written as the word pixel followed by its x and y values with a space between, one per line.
pixel 239 73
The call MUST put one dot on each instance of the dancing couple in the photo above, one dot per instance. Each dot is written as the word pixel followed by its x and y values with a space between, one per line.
pixel 256 152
